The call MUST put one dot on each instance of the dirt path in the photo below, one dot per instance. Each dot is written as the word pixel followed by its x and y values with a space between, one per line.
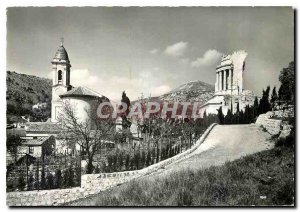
pixel 224 143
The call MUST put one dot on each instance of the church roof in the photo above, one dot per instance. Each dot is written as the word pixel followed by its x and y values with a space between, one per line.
pixel 61 54
pixel 82 92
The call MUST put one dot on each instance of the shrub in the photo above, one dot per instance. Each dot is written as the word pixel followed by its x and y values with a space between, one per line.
pixel 97 169
pixel 289 141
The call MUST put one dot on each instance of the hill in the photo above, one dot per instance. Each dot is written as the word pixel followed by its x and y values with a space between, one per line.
pixel 23 91
pixel 194 91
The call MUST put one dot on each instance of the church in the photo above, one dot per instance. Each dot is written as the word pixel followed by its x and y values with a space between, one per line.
pixel 82 97
pixel 229 91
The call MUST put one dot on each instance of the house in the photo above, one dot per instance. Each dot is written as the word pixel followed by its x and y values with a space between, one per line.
pixel 38 146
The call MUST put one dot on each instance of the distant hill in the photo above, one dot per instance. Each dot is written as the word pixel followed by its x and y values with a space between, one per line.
pixel 23 91
pixel 195 91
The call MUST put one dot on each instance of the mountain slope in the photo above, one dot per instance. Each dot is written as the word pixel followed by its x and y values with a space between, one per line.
pixel 195 91
pixel 23 91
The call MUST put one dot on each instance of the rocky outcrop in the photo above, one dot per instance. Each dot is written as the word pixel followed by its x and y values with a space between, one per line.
pixel 275 121
pixel 273 126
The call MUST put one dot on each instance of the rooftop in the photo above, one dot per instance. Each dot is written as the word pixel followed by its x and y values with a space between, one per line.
pixel 36 141
pixel 61 55
pixel 42 127
pixel 82 91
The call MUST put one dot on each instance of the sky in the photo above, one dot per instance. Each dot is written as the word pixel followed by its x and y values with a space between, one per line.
pixel 150 51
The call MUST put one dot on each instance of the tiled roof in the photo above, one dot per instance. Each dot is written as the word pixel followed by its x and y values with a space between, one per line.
pixel 82 91
pixel 35 142
pixel 42 127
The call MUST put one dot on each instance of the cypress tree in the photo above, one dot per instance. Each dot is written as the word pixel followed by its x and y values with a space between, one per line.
pixel 58 182
pixel 21 182
pixel 30 182
pixel 37 177
pixel 66 178
pixel 274 97
pixel 255 107
pixel 220 115
pixel 127 162
pixel 43 177
pixel 50 183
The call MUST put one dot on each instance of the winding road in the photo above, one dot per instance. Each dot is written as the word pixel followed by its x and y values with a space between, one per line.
pixel 224 143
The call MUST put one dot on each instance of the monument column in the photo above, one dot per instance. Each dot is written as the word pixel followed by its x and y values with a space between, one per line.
pixel 217 83
pixel 220 80
pixel 230 81
pixel 224 80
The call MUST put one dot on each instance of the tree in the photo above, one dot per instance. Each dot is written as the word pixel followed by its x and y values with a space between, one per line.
pixel 37 177
pixel 58 179
pixel 30 182
pixel 127 162
pixel 50 182
pixel 43 177
pixel 89 134
pixel 12 144
pixel 21 182
pixel 274 97
pixel 264 104
pixel 287 79
pixel 255 107
pixel 220 115
pixel 229 117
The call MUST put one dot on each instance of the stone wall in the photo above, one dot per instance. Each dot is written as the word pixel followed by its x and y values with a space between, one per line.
pixel 273 126
pixel 91 183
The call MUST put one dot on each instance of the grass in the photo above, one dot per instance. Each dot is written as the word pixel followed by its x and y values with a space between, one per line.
pixel 264 178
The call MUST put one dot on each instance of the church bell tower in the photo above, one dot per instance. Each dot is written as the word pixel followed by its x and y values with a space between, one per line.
pixel 60 79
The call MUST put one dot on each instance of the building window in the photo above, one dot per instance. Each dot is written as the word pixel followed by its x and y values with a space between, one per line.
pixel 59 76
pixel 31 148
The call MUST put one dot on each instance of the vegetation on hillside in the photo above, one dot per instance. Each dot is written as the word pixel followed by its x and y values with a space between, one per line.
pixel 24 91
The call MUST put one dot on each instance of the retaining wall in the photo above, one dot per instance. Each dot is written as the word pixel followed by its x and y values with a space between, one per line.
pixel 92 183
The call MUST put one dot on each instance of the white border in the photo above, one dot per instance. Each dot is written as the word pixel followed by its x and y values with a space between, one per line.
pixel 12 3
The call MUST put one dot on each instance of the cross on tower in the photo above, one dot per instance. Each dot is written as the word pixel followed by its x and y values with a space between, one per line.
pixel 62 41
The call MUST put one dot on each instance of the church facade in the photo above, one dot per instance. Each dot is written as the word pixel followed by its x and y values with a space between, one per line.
pixel 229 91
